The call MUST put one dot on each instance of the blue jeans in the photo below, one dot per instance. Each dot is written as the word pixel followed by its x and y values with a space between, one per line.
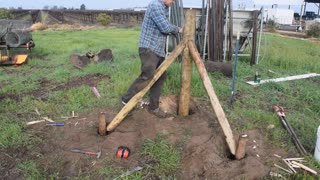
pixel 149 63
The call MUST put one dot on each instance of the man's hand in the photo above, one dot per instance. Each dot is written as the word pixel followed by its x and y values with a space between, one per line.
pixel 181 30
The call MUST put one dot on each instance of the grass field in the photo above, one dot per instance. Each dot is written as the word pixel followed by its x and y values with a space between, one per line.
pixel 280 57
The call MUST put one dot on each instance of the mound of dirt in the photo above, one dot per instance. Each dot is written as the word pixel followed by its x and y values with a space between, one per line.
pixel 204 152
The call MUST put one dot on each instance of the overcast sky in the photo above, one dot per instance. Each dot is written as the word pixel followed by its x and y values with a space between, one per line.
pixel 115 4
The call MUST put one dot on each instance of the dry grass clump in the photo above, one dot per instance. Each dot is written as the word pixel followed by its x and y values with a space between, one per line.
pixel 314 30
pixel 39 26
pixel 43 26
pixel 69 26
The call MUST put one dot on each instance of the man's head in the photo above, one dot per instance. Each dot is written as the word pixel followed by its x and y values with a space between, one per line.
pixel 168 3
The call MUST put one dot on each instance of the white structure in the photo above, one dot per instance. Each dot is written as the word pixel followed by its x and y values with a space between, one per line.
pixel 280 16
pixel 278 2
pixel 140 8
pixel 317 149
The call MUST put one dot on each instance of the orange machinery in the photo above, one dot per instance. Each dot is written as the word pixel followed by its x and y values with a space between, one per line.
pixel 9 58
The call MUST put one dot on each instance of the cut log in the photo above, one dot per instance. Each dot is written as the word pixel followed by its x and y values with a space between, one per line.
pixel 241 149
pixel 135 99
pixel 102 124
pixel 213 97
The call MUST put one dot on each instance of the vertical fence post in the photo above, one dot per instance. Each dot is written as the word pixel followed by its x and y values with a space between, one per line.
pixel 186 65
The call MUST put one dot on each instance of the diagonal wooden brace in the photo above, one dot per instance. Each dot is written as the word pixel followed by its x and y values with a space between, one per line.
pixel 213 97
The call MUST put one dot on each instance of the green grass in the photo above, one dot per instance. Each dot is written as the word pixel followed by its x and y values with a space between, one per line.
pixel 165 155
pixel 280 57
pixel 11 133
pixel 31 170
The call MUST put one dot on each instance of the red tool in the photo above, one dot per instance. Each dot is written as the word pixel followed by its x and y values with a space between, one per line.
pixel 123 152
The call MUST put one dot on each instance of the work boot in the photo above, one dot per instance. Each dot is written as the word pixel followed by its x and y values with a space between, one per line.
pixel 158 112
pixel 122 103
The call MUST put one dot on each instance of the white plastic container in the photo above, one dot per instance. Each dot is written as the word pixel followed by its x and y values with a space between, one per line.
pixel 317 149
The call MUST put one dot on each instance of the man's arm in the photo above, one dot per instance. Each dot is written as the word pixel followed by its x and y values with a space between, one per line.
pixel 160 19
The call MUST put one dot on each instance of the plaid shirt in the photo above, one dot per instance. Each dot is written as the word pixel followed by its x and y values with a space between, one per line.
pixel 156 27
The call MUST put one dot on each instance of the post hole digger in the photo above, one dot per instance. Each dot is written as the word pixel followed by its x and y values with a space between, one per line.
pixel 280 112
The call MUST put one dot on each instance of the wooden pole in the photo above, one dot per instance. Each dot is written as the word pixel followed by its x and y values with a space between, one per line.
pixel 102 124
pixel 230 49
pixel 241 149
pixel 254 38
pixel 305 167
pixel 213 97
pixel 186 65
pixel 134 100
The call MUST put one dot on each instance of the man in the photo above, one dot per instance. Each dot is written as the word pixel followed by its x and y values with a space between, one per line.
pixel 155 28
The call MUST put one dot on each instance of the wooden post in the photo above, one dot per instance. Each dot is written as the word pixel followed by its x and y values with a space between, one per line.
pixel 230 25
pixel 241 149
pixel 186 65
pixel 213 97
pixel 254 38
pixel 134 100
pixel 102 124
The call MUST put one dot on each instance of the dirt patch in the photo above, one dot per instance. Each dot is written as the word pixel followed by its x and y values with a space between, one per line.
pixel 46 87
pixel 297 35
pixel 198 136
pixel 9 160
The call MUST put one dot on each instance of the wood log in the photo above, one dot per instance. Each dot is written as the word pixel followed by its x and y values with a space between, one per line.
pixel 102 124
pixel 134 100
pixel 186 65
pixel 213 97
pixel 241 149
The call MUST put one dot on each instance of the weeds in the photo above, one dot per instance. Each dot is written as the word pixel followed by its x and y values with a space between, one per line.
pixel 31 170
pixel 314 30
pixel 11 131
pixel 165 156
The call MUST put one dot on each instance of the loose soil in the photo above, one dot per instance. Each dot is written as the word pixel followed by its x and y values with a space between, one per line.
pixel 46 86
pixel 198 136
